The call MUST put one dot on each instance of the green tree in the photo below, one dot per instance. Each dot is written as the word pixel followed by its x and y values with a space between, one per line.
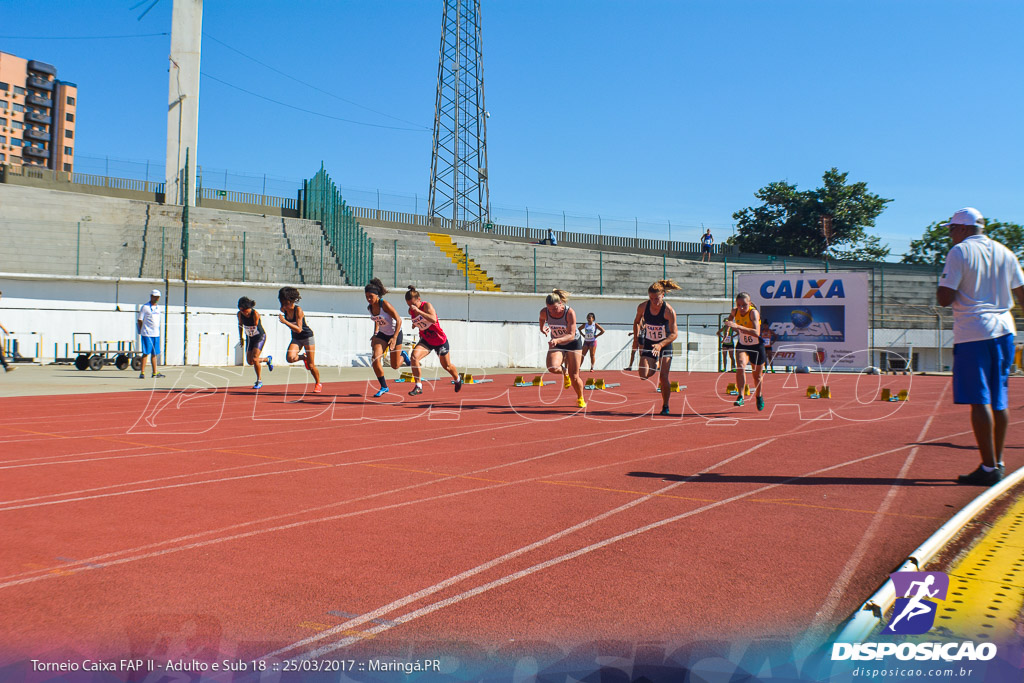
pixel 935 242
pixel 829 220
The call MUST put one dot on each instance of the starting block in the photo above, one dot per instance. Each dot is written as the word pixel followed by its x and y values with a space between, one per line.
pixel 535 382
pixel 731 389
pixel 468 378
pixel 902 395
pixel 672 386
pixel 406 377
pixel 746 390
pixel 825 392
pixel 812 392
pixel 598 384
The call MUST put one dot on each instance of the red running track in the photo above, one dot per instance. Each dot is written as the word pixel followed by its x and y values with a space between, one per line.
pixel 218 521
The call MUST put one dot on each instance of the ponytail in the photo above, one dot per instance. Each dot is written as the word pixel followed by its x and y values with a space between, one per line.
pixel 413 292
pixel 557 296
pixel 663 286
pixel 375 286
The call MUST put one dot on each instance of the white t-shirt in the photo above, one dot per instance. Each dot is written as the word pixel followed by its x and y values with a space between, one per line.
pixel 149 314
pixel 983 272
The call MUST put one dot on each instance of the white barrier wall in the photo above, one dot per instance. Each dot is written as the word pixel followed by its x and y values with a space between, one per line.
pixel 487 329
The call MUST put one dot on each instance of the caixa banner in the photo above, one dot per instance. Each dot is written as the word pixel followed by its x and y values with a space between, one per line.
pixel 819 319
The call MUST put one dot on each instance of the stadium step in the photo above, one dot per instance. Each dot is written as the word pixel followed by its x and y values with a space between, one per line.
pixel 477 275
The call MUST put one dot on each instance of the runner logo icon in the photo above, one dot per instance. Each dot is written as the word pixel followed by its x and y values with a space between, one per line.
pixel 914 611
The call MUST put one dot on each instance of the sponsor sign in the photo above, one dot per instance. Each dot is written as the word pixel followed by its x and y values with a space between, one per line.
pixel 820 319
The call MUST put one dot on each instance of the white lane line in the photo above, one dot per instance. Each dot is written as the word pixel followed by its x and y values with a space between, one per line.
pixel 458 578
pixel 352 623
pixel 824 614
pixel 104 559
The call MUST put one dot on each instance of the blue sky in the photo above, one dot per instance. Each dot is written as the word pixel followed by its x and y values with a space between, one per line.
pixel 664 111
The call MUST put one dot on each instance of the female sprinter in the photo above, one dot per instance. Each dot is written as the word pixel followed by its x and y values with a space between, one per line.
pixel 432 338
pixel 591 331
pixel 302 337
pixel 559 322
pixel 749 347
pixel 253 337
pixel 659 322
pixel 387 331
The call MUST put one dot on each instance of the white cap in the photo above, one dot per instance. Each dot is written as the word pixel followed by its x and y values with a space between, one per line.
pixel 155 292
pixel 967 216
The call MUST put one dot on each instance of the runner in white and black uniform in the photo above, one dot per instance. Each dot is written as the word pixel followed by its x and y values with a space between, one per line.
pixel 590 330
pixel 558 321
pixel 658 319
pixel 253 337
pixel 387 332
pixel 294 319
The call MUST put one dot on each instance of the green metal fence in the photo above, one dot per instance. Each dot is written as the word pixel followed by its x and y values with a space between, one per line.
pixel 351 247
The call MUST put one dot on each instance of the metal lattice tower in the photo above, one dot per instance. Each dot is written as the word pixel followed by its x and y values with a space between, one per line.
pixel 458 167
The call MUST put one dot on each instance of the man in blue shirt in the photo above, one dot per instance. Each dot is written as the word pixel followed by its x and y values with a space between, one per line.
pixel 706 241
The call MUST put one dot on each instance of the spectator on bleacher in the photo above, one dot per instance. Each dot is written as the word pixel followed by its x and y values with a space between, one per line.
pixel 980 280
pixel 551 238
pixel 3 361
pixel 706 244
pixel 148 327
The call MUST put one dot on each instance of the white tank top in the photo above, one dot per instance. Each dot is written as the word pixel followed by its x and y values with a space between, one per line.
pixel 557 326
pixel 590 332
pixel 384 320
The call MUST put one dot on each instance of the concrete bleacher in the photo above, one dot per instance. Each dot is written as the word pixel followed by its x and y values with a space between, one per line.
pixel 56 232
pixel 50 231
pixel 420 262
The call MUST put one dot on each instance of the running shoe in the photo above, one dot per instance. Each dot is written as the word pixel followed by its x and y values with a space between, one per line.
pixel 458 386
pixel 580 403
pixel 159 375
pixel 317 388
pixel 980 477
pixel 567 382
pixel 760 403
pixel 381 392
pixel 142 375
pixel 738 402
pixel 270 363
pixel 9 368
pixel 665 411
pixel 629 368
pixel 305 361
pixel 416 391
pixel 405 357
pixel 258 385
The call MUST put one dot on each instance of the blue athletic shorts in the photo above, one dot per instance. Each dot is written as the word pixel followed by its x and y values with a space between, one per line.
pixel 150 346
pixel 981 371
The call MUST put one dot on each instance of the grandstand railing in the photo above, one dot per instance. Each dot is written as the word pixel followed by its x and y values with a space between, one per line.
pixel 352 248
pixel 248 198
pixel 563 237
pixel 88 179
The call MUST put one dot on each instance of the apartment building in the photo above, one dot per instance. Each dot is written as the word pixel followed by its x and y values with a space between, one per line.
pixel 37 115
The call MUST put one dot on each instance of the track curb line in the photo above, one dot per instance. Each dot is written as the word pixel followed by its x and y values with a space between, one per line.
pixel 872 612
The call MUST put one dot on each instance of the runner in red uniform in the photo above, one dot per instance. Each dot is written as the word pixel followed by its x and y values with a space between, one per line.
pixel 432 338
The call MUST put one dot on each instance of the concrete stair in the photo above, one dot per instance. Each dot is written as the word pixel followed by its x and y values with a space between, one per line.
pixel 419 262
pixel 49 231
pixel 477 275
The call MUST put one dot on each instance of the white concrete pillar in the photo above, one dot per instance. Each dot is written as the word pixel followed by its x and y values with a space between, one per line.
pixel 183 99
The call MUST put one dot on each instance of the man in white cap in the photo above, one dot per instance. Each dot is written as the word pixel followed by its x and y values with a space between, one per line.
pixel 148 326
pixel 980 280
